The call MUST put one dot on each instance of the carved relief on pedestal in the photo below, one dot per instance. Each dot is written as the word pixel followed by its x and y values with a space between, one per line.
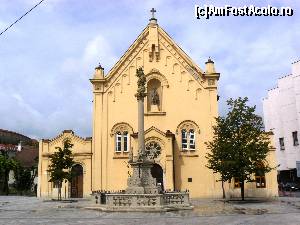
pixel 122 201
pixel 174 199
pixel 143 200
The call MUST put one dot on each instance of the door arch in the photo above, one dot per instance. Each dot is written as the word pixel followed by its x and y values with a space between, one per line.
pixel 158 174
pixel 77 181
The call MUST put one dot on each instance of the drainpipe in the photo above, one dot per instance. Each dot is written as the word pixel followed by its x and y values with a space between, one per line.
pixel 173 163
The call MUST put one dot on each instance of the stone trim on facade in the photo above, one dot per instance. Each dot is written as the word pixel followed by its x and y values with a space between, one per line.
pixel 187 124
pixel 122 127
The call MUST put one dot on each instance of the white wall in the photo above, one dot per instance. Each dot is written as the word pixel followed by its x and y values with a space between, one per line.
pixel 282 116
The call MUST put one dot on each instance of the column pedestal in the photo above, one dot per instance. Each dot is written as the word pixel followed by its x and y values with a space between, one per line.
pixel 141 181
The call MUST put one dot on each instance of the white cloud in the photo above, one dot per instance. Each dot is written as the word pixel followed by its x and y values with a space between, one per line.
pixel 232 90
pixel 96 50
pixel 3 25
pixel 25 107
pixel 99 49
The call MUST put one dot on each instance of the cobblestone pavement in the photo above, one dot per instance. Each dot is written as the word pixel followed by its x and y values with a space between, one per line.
pixel 30 210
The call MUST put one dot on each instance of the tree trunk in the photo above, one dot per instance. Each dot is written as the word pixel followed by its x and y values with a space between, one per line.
pixel 223 190
pixel 243 190
pixel 5 183
pixel 59 193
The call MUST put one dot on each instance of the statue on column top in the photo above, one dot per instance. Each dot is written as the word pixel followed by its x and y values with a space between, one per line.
pixel 141 91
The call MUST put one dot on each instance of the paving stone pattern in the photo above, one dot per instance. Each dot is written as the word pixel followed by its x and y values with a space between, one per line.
pixel 30 210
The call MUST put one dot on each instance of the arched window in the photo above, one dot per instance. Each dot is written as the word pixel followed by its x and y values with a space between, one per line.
pixel 184 140
pixel 192 138
pixel 260 181
pixel 121 132
pixel 118 142
pixel 125 141
pixel 188 130
pixel 237 183
pixel 188 139
pixel 122 142
pixel 260 178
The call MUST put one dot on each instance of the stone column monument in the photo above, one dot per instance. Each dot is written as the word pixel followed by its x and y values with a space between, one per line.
pixel 141 181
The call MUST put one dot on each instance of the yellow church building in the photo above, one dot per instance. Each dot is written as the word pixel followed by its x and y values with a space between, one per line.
pixel 180 110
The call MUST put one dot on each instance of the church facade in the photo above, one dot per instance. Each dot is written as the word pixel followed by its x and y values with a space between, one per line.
pixel 180 110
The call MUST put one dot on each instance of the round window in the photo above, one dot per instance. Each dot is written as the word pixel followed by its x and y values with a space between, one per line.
pixel 153 149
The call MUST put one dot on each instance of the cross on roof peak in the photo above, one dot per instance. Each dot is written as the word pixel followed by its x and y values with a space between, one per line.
pixel 153 11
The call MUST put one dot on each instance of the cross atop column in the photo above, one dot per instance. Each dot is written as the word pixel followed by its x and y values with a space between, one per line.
pixel 153 11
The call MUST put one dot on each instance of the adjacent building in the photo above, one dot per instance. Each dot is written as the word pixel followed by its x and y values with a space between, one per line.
pixel 21 148
pixel 282 116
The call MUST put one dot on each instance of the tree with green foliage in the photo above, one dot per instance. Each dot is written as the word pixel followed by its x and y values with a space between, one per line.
pixel 61 163
pixel 24 178
pixel 6 165
pixel 240 145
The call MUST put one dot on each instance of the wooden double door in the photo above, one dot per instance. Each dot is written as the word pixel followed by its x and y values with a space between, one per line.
pixel 77 182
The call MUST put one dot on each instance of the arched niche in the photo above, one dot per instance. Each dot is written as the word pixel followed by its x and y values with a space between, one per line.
pixel 155 80
pixel 155 74
pixel 154 95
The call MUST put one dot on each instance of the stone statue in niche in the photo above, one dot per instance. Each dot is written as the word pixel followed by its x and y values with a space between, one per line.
pixel 154 97
pixel 154 100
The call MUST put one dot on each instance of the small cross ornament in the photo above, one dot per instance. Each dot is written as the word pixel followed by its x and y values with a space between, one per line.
pixel 153 11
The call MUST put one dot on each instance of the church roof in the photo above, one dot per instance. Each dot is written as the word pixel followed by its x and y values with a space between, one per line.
pixel 66 133
pixel 169 43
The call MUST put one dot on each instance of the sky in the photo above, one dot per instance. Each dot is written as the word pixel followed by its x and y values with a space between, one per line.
pixel 47 59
